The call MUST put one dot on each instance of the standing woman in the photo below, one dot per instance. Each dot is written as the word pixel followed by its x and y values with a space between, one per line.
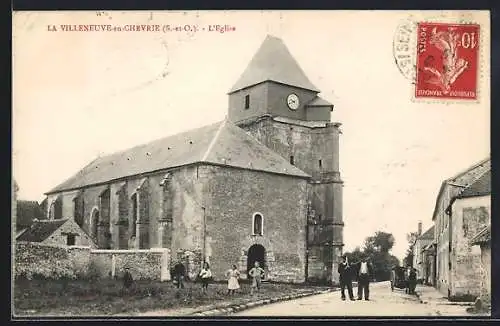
pixel 232 282
pixel 205 276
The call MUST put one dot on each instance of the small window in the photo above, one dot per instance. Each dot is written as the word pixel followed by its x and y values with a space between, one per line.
pixel 292 160
pixel 257 224
pixel 320 163
pixel 247 101
pixel 70 240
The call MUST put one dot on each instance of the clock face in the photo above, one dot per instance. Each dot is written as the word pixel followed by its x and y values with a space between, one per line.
pixel 293 101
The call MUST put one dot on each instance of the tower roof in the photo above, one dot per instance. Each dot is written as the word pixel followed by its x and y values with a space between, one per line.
pixel 273 62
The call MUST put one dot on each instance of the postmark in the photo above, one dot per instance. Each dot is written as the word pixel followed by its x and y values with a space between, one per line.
pixel 404 48
pixel 447 61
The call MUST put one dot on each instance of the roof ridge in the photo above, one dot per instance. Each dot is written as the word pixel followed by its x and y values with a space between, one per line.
pixel 214 140
pixel 472 167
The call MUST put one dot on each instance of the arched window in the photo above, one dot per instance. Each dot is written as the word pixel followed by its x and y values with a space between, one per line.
pixel 94 220
pixel 135 214
pixel 257 224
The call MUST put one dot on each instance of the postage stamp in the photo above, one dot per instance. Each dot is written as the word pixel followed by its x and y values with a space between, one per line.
pixel 447 61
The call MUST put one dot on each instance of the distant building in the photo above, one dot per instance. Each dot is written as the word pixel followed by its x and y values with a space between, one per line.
pixel 62 232
pixel 419 256
pixel 429 262
pixel 483 240
pixel 451 261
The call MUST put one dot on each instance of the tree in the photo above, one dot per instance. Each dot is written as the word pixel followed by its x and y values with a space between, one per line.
pixel 411 237
pixel 380 242
pixel 377 248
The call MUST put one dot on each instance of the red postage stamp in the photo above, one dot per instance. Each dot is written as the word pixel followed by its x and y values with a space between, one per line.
pixel 447 61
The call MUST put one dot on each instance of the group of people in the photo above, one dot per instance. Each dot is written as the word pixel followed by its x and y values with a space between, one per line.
pixel 256 274
pixel 361 271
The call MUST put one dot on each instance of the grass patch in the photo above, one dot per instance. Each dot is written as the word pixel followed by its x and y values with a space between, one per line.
pixel 107 297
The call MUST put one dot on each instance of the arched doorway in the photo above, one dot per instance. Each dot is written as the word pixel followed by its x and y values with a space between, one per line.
pixel 256 252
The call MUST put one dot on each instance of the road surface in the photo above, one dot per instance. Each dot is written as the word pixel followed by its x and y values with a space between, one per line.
pixel 382 302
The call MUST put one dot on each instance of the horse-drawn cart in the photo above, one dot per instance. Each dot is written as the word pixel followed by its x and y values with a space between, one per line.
pixel 398 278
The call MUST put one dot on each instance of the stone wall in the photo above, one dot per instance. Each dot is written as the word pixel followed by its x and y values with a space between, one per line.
pixel 50 261
pixel 316 152
pixel 469 215
pixel 486 273
pixel 232 198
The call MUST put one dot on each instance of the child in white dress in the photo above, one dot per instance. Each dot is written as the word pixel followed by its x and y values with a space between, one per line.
pixel 232 281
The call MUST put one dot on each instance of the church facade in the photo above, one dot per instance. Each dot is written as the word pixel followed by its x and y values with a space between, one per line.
pixel 262 185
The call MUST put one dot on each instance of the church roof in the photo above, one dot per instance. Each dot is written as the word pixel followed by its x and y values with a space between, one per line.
pixel 273 62
pixel 221 143
pixel 41 230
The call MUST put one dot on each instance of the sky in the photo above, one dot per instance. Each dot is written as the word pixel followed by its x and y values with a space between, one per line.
pixel 78 95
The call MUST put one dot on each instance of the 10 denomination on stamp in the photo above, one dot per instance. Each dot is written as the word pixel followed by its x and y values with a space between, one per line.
pixel 447 61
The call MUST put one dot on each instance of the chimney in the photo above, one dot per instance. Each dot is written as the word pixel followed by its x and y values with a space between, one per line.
pixel 419 228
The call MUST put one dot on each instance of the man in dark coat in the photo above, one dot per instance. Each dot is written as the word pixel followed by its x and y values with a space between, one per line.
pixel 345 271
pixel 364 272
pixel 128 281
pixel 412 280
pixel 179 274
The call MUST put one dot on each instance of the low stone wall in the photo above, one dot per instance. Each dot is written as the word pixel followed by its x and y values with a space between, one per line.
pixel 49 261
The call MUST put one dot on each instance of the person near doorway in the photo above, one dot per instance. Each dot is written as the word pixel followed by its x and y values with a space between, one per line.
pixel 345 278
pixel 232 282
pixel 257 274
pixel 179 274
pixel 364 275
pixel 205 276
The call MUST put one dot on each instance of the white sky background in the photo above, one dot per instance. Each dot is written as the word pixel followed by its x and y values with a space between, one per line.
pixel 78 94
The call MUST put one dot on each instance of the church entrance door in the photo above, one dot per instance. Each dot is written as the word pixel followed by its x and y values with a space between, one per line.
pixel 256 252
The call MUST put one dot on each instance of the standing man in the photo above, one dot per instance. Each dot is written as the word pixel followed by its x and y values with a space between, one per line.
pixel 179 273
pixel 345 272
pixel 365 273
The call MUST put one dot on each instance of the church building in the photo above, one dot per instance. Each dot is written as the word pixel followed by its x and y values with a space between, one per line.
pixel 262 185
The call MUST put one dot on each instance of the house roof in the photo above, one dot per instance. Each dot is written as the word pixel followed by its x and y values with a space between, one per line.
pixel 318 101
pixel 480 187
pixel 41 230
pixel 27 211
pixel 482 236
pixel 273 62
pixel 221 143
pixel 428 235
pixel 462 179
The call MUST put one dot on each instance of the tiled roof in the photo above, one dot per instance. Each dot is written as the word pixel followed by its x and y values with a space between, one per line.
pixel 462 179
pixel 27 211
pixel 482 236
pixel 428 235
pixel 273 62
pixel 41 230
pixel 318 101
pixel 480 187
pixel 220 143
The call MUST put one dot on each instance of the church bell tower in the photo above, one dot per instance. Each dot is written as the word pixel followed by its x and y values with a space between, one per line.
pixel 275 102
